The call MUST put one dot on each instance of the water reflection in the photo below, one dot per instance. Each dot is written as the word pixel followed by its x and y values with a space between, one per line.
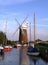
pixel 37 61
pixel 45 60
pixel 14 57
pixel 10 58
pixel 33 60
pixel 1 57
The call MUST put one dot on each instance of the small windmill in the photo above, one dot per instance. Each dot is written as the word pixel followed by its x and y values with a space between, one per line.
pixel 22 31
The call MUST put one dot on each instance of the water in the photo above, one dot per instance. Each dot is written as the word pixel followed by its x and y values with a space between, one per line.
pixel 12 58
pixel 37 61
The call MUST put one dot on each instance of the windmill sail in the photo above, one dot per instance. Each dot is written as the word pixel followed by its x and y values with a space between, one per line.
pixel 22 31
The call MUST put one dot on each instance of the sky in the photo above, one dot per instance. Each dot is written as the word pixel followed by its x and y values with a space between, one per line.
pixel 10 10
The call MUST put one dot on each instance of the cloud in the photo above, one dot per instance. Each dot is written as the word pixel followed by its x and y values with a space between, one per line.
pixel 10 2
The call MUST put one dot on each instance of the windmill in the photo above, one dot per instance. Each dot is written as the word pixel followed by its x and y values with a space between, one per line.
pixel 22 31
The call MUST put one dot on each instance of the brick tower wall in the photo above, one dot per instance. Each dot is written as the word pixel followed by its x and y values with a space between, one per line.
pixel 23 36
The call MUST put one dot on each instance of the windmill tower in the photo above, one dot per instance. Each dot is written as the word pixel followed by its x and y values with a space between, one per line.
pixel 22 31
pixel 23 34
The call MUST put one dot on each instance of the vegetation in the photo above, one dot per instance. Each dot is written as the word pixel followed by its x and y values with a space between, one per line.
pixel 5 41
pixel 3 37
pixel 43 44
pixel 43 48
pixel 11 42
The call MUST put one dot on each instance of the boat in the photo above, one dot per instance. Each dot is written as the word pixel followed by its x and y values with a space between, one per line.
pixel 25 45
pixel 7 48
pixel 33 51
pixel 19 45
pixel 1 50
pixel 10 48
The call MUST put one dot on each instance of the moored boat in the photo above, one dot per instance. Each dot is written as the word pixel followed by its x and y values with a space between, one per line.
pixel 25 45
pixel 7 48
pixel 1 50
pixel 33 51
pixel 10 48
pixel 19 45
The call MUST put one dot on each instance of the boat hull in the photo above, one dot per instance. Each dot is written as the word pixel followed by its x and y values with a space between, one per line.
pixel 1 50
pixel 7 48
pixel 19 45
pixel 33 53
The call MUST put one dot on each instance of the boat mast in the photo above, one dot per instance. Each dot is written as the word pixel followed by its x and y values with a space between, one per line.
pixel 34 29
pixel 6 32
pixel 30 32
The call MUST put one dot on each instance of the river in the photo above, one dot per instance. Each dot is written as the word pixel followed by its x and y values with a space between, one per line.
pixel 12 58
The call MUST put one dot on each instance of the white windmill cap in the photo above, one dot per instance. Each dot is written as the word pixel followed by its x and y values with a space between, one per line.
pixel 24 26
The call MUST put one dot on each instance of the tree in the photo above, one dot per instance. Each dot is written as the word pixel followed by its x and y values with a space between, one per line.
pixel 9 42
pixel 3 37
